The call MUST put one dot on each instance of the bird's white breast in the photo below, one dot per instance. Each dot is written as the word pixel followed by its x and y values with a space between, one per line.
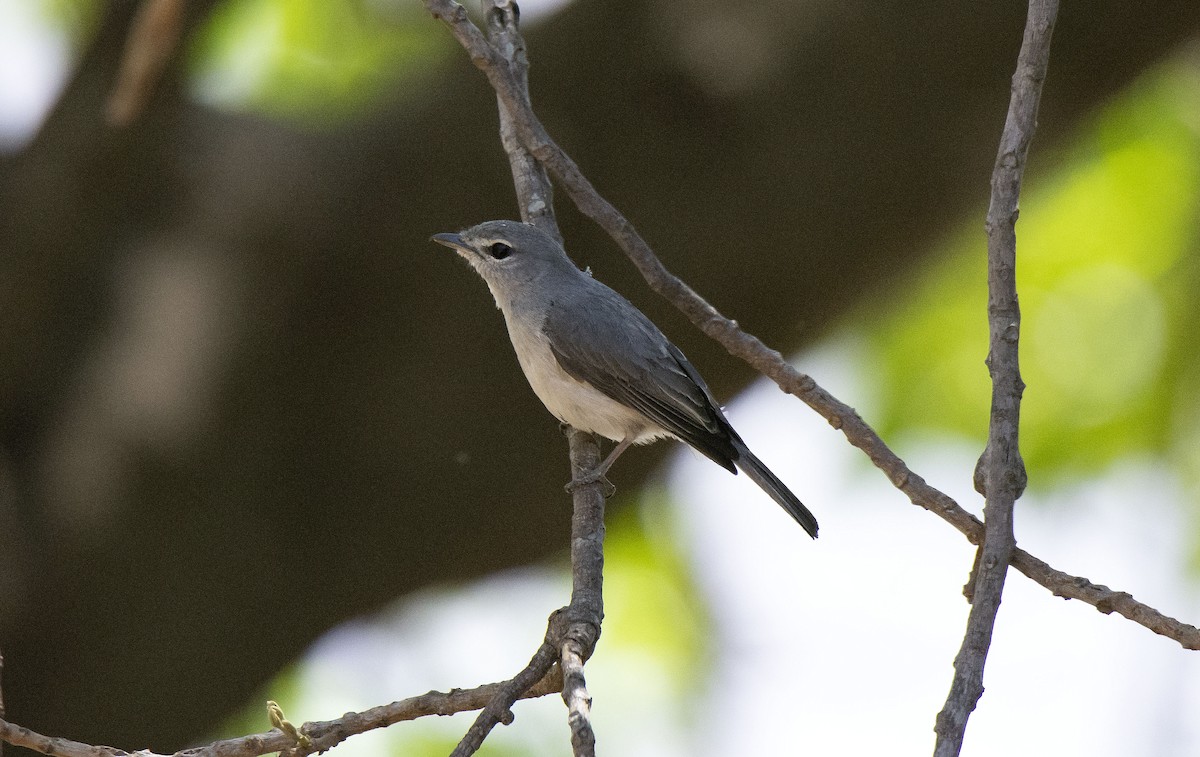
pixel 571 401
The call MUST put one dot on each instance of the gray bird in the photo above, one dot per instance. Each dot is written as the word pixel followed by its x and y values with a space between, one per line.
pixel 597 362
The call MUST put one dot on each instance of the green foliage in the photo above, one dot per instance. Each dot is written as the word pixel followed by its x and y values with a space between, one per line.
pixel 653 611
pixel 77 18
pixel 314 61
pixel 1108 286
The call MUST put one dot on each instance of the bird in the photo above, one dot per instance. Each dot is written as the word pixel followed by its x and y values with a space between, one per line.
pixel 598 363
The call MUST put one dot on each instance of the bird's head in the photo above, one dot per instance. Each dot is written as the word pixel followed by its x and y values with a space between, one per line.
pixel 518 261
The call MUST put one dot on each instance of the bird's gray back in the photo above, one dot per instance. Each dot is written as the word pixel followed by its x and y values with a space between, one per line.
pixel 600 338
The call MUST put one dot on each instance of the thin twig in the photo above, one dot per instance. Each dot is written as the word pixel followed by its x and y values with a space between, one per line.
pixel 153 38
pixel 587 591
pixel 1000 475
pixel 59 747
pixel 535 193
pixel 327 734
pixel 579 702
pixel 498 709
pixel 323 734
pixel 763 359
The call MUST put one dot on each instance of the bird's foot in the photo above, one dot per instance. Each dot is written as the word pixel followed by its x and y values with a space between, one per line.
pixel 592 477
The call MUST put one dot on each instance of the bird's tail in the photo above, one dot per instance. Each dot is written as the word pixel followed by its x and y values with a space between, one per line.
pixel 770 483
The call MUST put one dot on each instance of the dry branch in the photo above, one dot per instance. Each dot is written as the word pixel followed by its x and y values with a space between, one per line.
pixel 574 630
pixel 1000 474
pixel 323 734
pixel 498 709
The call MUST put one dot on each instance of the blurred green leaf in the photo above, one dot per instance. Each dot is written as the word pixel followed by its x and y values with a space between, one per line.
pixel 1108 287
pixel 654 617
pixel 313 61
pixel 77 18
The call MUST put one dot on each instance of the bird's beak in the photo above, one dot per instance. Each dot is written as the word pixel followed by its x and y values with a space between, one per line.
pixel 453 241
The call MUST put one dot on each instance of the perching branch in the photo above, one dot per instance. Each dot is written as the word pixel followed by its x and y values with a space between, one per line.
pixel 574 630
pixel 587 596
pixel 1000 475
pixel 498 707
pixel 586 611
pixel 759 356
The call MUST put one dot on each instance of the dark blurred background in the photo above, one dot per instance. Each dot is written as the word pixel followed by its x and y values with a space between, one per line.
pixel 242 398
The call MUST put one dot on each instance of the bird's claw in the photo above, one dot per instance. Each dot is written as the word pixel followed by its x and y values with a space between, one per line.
pixel 591 478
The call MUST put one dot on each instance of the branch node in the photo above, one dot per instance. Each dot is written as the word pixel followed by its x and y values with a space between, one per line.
pixel 1107 605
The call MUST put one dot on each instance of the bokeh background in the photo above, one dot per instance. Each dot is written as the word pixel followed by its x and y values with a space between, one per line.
pixel 259 439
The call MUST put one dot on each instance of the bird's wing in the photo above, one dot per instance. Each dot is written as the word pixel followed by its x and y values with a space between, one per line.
pixel 602 339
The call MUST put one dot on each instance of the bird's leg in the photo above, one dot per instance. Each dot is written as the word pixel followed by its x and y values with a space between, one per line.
pixel 603 467
pixel 597 473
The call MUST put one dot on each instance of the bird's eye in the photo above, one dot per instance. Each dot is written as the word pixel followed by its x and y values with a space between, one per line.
pixel 499 251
